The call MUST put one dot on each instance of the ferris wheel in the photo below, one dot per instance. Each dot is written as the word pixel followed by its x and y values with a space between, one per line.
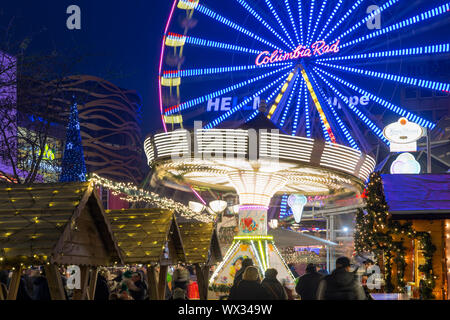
pixel 327 69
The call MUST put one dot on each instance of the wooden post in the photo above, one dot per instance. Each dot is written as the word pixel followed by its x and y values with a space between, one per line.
pixel 14 284
pixel 162 282
pixel 2 297
pixel 92 283
pixel 54 281
pixel 201 281
pixel 152 283
pixel 80 294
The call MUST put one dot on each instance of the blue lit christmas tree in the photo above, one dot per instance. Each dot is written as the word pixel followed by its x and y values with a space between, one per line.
pixel 73 165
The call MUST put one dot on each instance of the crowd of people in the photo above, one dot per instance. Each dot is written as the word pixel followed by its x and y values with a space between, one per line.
pixel 112 284
pixel 131 284
pixel 341 284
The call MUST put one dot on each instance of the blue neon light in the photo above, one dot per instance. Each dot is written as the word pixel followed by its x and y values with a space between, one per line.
pixel 372 126
pixel 300 18
pixel 219 45
pixel 223 117
pixel 436 48
pixel 275 14
pixel 262 21
pixel 346 15
pixel 330 18
pixel 341 124
pixel 318 19
pixel 297 109
pixel 402 24
pixel 288 105
pixel 311 11
pixel 219 70
pixel 402 112
pixel 288 8
pixel 392 77
pixel 231 24
pixel 364 20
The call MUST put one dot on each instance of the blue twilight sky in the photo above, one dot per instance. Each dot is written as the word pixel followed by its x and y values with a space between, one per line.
pixel 117 37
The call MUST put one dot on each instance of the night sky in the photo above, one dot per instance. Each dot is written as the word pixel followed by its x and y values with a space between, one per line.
pixel 119 40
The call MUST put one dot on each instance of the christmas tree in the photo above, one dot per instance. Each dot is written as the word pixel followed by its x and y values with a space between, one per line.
pixel 73 165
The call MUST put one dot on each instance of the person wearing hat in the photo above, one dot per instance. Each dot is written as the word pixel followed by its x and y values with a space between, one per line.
pixel 341 284
pixel 308 283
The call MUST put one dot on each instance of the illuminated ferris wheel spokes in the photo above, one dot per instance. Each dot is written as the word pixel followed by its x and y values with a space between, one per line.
pixel 293 88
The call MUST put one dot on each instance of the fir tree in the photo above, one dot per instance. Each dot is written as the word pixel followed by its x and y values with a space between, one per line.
pixel 73 165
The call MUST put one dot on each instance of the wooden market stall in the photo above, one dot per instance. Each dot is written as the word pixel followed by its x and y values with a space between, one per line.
pixel 202 249
pixel 149 237
pixel 421 202
pixel 51 225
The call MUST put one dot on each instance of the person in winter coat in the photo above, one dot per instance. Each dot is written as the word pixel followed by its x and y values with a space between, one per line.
pixel 180 278
pixel 308 283
pixel 238 276
pixel 249 288
pixel 102 292
pixel 22 292
pixel 40 288
pixel 341 284
pixel 141 291
pixel 272 286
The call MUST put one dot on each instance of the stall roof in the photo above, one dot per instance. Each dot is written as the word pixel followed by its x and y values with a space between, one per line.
pixel 61 223
pixel 200 242
pixel 142 235
pixel 420 195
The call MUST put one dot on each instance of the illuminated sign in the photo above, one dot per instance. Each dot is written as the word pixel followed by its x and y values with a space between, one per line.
pixel 318 48
pixel 352 100
pixel 224 104
pixel 405 163
pixel 297 203
pixel 403 135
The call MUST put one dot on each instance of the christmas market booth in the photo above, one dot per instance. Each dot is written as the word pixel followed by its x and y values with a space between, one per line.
pixel 202 249
pixel 406 225
pixel 54 225
pixel 149 237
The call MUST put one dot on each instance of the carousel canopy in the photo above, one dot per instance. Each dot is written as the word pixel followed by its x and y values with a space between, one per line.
pixel 147 236
pixel 61 223
pixel 200 242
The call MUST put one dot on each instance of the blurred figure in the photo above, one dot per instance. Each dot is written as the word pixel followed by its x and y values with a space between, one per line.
pixel 180 278
pixel 287 289
pixel 41 291
pixel 308 283
pixel 273 287
pixel 102 291
pixel 139 291
pixel 178 294
pixel 245 263
pixel 341 284
pixel 250 287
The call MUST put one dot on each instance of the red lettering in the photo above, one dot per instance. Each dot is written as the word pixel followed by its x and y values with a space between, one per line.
pixel 257 62
pixel 317 48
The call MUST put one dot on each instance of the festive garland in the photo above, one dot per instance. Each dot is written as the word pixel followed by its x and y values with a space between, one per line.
pixel 375 233
pixel 135 194
pixel 222 288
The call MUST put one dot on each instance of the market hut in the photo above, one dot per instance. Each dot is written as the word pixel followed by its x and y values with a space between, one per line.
pixel 420 204
pixel 150 237
pixel 51 225
pixel 202 248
